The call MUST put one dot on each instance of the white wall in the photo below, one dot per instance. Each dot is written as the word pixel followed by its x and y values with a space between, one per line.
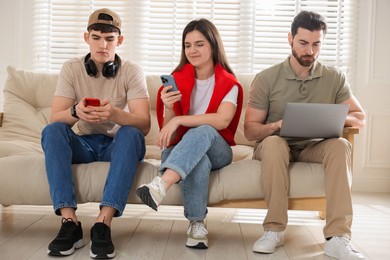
pixel 16 35
pixel 372 153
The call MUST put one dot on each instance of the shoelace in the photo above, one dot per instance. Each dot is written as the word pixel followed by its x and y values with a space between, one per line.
pixel 270 235
pixel 65 220
pixel 347 245
pixel 64 230
pixel 198 229
pixel 101 233
pixel 159 186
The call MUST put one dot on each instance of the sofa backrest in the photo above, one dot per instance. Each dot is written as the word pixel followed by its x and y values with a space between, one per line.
pixel 27 101
pixel 28 96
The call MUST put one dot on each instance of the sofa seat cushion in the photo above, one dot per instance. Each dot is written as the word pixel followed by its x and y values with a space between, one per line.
pixel 24 181
pixel 20 148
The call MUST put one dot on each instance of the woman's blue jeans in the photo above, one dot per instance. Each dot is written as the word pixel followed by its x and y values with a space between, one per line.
pixel 201 150
pixel 62 148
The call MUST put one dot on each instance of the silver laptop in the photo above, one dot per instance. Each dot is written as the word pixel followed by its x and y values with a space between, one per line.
pixel 312 120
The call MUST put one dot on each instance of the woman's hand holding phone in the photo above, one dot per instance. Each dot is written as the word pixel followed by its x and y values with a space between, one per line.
pixel 170 94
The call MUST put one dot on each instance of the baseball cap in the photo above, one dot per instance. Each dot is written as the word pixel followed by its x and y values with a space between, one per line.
pixel 105 16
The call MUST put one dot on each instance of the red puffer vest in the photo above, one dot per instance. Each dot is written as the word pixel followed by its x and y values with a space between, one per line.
pixel 185 80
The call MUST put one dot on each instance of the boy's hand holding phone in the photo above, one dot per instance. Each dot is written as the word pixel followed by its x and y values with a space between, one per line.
pixel 93 111
pixel 91 102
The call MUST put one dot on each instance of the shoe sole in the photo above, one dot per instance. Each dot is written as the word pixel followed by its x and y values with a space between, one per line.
pixel 100 256
pixel 331 253
pixel 198 244
pixel 77 245
pixel 267 250
pixel 264 251
pixel 144 194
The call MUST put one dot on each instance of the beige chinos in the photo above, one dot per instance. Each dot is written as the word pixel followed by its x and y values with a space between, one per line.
pixel 334 154
pixel 271 89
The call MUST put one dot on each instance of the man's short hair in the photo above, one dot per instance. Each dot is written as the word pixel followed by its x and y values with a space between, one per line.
pixel 308 20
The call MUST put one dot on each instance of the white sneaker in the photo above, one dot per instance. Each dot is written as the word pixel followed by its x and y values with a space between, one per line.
pixel 341 248
pixel 268 242
pixel 152 193
pixel 197 235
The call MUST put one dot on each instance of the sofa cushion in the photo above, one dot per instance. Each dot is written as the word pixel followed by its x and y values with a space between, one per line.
pixel 23 181
pixel 27 101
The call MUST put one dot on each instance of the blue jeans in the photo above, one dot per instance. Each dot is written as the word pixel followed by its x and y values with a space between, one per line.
pixel 201 150
pixel 63 148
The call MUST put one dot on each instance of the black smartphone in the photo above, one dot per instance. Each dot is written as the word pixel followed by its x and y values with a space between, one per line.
pixel 169 80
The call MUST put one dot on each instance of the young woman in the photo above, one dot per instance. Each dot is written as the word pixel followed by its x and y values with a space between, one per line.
pixel 197 125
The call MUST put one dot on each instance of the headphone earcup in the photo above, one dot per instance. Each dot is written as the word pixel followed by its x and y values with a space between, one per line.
pixel 109 69
pixel 90 66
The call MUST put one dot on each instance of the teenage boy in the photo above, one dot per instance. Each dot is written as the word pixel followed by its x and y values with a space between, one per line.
pixel 103 132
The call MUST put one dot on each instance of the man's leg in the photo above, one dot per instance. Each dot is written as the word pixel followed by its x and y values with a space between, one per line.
pixel 335 155
pixel 274 154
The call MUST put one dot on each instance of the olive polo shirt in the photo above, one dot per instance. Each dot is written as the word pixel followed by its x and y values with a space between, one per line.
pixel 275 86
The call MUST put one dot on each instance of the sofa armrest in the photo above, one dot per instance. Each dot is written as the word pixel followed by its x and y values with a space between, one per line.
pixel 1 118
pixel 349 134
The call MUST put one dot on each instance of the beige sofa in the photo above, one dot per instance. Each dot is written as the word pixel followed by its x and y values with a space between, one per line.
pixel 27 100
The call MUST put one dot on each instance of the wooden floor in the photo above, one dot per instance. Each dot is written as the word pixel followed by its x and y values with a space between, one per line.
pixel 25 232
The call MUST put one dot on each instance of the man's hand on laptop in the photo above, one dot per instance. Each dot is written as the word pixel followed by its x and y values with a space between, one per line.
pixel 276 125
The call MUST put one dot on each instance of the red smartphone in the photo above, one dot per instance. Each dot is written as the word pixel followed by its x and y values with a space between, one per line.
pixel 93 102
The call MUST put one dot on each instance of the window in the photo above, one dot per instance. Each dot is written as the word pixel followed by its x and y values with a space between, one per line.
pixel 254 32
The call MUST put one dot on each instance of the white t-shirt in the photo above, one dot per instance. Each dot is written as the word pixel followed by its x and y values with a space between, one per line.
pixel 202 93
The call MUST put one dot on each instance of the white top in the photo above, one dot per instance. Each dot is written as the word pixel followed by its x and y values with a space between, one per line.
pixel 202 92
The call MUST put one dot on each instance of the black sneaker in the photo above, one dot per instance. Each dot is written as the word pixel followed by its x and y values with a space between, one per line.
pixel 101 244
pixel 69 238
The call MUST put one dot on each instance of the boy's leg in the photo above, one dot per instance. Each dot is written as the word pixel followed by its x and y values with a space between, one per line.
pixel 59 143
pixel 62 147
pixel 125 153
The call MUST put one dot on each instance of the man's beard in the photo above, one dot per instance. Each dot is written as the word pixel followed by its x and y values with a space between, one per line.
pixel 301 60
